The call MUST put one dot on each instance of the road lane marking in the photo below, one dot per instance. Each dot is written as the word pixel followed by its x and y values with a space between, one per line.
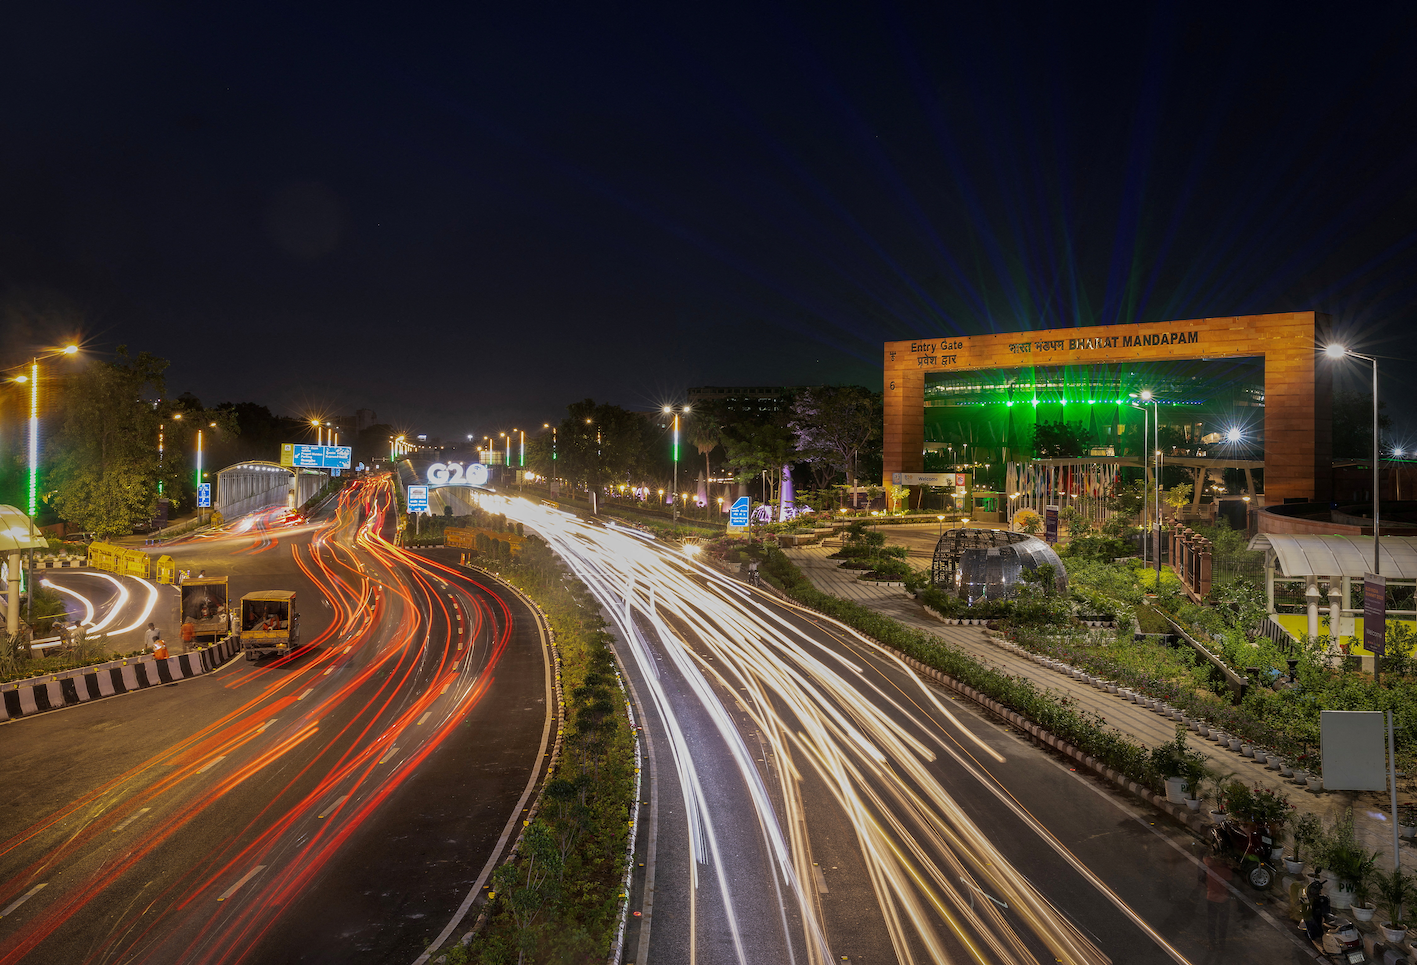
pixel 445 688
pixel 131 819
pixel 327 671
pixel 306 694
pixel 388 754
pixel 425 717
pixel 211 763
pixel 333 804
pixel 247 877
pixel 821 879
pixel 262 728
pixel 22 899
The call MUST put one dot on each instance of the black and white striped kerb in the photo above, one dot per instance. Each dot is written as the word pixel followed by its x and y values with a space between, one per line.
pixel 61 563
pixel 27 697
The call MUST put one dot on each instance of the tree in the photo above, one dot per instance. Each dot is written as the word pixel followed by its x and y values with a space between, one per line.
pixel 105 456
pixel 762 448
pixel 832 424
pixel 598 444
pixel 1059 440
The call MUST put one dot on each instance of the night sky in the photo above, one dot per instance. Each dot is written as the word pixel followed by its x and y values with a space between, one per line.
pixel 467 216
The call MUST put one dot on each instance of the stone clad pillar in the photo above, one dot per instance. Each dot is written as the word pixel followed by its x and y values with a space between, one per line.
pixel 1311 597
pixel 1335 608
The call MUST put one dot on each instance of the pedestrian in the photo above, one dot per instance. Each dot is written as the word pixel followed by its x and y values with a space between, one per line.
pixel 1216 873
pixel 189 631
pixel 150 636
pixel 159 649
pixel 201 574
pixel 181 576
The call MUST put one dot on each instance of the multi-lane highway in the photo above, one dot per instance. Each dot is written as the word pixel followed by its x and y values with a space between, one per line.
pixel 814 800
pixel 339 804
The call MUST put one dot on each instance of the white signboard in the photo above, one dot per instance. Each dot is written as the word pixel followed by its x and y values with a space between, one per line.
pixel 418 499
pixel 453 474
pixel 923 478
pixel 1354 748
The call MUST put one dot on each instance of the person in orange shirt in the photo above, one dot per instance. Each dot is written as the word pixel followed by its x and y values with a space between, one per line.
pixel 189 630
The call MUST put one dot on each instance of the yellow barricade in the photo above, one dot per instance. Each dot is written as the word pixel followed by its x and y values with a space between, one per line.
pixel 166 570
pixel 117 559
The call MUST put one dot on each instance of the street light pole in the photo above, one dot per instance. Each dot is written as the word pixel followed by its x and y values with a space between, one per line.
pixel 1337 352
pixel 675 493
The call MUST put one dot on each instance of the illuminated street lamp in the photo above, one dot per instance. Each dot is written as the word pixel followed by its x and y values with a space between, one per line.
pixel 33 379
pixel 1336 351
pixel 677 411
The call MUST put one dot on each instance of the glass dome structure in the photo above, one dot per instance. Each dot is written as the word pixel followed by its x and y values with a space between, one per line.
pixel 988 564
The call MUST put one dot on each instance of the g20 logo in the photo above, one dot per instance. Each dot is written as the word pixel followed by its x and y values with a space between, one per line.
pixel 453 474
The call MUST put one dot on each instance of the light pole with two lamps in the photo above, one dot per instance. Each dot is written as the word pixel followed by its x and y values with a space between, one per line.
pixel 677 411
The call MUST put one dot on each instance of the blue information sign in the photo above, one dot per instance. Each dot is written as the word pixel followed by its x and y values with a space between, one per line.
pixel 320 457
pixel 204 496
pixel 738 515
pixel 418 499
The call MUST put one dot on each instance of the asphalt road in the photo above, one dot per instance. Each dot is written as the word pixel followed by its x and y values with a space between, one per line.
pixel 339 804
pixel 813 800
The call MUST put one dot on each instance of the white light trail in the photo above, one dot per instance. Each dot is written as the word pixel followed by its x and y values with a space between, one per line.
pixel 821 714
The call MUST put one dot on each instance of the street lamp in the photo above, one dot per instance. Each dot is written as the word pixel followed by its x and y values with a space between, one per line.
pixel 942 525
pixel 33 380
pixel 1336 351
pixel 677 412
pixel 1146 397
pixel 1012 497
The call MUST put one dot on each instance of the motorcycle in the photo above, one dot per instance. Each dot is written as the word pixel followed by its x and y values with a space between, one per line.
pixel 1248 849
pixel 1336 938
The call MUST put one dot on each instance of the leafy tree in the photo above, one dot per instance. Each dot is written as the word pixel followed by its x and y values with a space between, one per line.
pixel 753 449
pixel 1059 440
pixel 105 456
pixel 600 444
pixel 831 426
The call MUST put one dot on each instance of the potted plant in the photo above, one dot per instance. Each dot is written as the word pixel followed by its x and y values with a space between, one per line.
pixel 1193 769
pixel 1395 889
pixel 1407 821
pixel 1271 811
pixel 1362 907
pixel 1346 859
pixel 1169 761
pixel 1305 833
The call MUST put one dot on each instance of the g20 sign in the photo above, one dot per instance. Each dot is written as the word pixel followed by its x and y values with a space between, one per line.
pixel 453 474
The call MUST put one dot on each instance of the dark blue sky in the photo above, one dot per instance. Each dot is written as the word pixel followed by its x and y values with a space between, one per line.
pixel 467 217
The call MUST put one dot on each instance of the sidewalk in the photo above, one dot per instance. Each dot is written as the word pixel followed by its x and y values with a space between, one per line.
pixel 1370 809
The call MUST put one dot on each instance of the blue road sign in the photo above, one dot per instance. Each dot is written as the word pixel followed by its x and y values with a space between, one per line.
pixel 418 499
pixel 738 515
pixel 320 457
pixel 204 496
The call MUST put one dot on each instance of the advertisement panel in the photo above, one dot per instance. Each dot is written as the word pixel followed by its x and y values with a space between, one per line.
pixel 1375 613
pixel 1050 524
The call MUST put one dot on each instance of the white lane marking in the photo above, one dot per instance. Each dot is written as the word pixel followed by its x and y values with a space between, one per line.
pixel 22 899
pixel 327 671
pixel 425 717
pixel 332 805
pixel 131 818
pixel 821 879
pixel 211 763
pixel 262 728
pixel 388 754
pixel 245 878
pixel 349 648
pixel 445 688
pixel 306 694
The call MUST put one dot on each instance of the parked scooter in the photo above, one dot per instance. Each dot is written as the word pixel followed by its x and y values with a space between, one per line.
pixel 1335 937
pixel 1249 850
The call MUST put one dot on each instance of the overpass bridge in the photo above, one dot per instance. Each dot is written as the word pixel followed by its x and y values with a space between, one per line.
pixel 253 485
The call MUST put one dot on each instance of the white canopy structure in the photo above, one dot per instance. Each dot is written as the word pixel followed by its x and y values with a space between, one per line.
pixel 1339 562
pixel 17 532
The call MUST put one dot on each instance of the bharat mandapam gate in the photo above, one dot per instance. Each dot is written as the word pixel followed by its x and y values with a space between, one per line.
pixel 1297 397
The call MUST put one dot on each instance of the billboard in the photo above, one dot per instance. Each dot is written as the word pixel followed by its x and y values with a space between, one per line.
pixel 300 456
pixel 1375 613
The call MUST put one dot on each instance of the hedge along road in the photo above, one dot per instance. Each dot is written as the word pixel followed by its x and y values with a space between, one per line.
pixel 338 804
pixel 814 795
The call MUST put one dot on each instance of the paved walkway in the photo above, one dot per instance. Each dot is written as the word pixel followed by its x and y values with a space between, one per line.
pixel 1369 808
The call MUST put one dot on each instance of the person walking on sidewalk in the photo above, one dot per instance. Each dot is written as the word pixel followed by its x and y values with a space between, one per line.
pixel 150 636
